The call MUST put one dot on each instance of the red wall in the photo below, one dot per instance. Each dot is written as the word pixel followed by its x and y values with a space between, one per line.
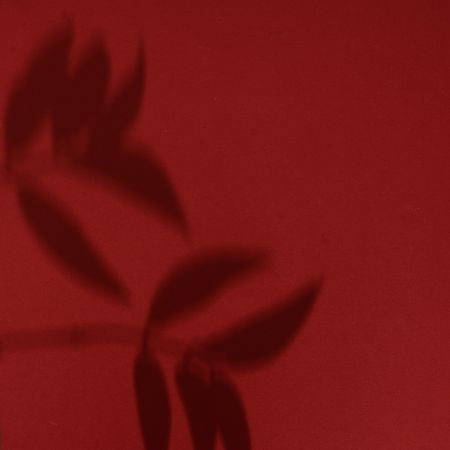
pixel 317 129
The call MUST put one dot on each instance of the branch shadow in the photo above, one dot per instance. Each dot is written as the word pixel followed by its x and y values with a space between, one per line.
pixel 69 336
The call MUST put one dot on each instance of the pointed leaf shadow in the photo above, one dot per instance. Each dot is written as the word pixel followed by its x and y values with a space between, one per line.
pixel 195 394
pixel 230 414
pixel 34 95
pixel 195 282
pixel 141 177
pixel 120 113
pixel 152 400
pixel 84 93
pixel 263 337
pixel 63 238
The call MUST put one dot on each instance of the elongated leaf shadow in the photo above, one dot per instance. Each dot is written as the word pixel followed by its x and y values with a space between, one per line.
pixel 230 413
pixel 196 397
pixel 152 399
pixel 195 282
pixel 108 132
pixel 261 338
pixel 139 175
pixel 83 95
pixel 33 96
pixel 64 239
pixel 213 407
pixel 69 336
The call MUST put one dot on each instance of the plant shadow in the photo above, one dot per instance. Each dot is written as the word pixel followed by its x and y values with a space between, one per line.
pixel 90 132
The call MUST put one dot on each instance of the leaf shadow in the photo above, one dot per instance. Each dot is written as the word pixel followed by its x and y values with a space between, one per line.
pixel 195 282
pixel 197 401
pixel 64 239
pixel 230 413
pixel 83 95
pixel 152 400
pixel 213 407
pixel 138 174
pixel 90 129
pixel 119 114
pixel 261 338
pixel 33 95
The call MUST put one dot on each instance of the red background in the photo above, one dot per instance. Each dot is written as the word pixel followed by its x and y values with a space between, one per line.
pixel 317 129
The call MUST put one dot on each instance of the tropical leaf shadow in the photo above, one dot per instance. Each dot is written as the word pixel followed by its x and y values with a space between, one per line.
pixel 64 239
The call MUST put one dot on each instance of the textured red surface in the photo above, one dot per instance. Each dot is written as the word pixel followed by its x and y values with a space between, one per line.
pixel 317 129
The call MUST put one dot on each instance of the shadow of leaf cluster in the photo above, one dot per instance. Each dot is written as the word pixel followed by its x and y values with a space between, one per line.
pixel 212 403
pixel 91 133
